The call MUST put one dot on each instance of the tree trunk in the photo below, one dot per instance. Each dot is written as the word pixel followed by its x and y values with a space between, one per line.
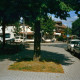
pixel 3 30
pixel 37 39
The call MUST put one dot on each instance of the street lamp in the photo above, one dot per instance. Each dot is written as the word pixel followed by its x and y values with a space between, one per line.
pixel 23 22
pixel 54 32
pixel 41 34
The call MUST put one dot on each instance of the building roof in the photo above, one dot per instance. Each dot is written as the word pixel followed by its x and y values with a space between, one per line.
pixel 58 22
pixel 61 26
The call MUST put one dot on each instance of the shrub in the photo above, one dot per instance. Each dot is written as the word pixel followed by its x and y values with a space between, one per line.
pixel 60 38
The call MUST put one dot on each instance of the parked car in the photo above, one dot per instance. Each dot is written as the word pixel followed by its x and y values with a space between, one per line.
pixel 71 44
pixel 9 37
pixel 76 48
pixel 19 39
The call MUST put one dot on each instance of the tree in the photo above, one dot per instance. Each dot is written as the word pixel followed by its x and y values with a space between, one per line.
pixel 76 27
pixel 36 10
pixel 10 13
pixel 17 28
pixel 71 4
pixel 43 7
pixel 48 25
pixel 68 31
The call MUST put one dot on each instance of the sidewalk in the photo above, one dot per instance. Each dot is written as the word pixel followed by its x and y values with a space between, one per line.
pixel 71 66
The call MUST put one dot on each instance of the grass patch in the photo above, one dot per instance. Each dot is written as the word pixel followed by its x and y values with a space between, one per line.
pixel 35 66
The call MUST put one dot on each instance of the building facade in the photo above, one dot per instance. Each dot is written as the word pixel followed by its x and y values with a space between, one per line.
pixel 59 29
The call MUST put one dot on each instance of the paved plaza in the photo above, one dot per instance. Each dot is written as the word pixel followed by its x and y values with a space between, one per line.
pixel 71 66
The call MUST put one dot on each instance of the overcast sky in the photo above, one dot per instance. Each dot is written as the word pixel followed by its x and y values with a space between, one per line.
pixel 69 20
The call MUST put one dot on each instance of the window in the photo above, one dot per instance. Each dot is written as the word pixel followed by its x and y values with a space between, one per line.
pixel 21 37
pixel 74 42
pixel 17 37
pixel 7 35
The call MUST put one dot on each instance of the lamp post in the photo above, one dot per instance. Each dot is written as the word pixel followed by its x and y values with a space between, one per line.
pixel 23 22
pixel 54 32
pixel 67 34
pixel 41 34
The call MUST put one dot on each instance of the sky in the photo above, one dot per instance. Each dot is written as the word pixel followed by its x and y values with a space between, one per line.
pixel 69 20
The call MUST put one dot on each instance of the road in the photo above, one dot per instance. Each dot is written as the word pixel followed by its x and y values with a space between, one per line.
pixel 61 45
pixel 51 44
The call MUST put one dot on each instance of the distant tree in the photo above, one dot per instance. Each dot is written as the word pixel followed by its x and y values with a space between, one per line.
pixel 76 27
pixel 48 25
pixel 68 31
pixel 17 28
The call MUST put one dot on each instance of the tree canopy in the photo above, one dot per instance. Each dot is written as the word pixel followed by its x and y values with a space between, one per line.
pixel 12 10
pixel 73 4
pixel 76 27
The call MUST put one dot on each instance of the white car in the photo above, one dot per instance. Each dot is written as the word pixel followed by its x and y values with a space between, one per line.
pixel 77 48
pixel 19 39
pixel 9 37
pixel 71 44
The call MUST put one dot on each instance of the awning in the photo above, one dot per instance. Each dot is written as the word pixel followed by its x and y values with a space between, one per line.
pixel 27 33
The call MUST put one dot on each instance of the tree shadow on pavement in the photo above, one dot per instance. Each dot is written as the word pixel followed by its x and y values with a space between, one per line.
pixel 27 55
pixel 56 57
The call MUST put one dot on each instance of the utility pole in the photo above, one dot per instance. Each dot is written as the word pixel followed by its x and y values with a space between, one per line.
pixel 22 21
